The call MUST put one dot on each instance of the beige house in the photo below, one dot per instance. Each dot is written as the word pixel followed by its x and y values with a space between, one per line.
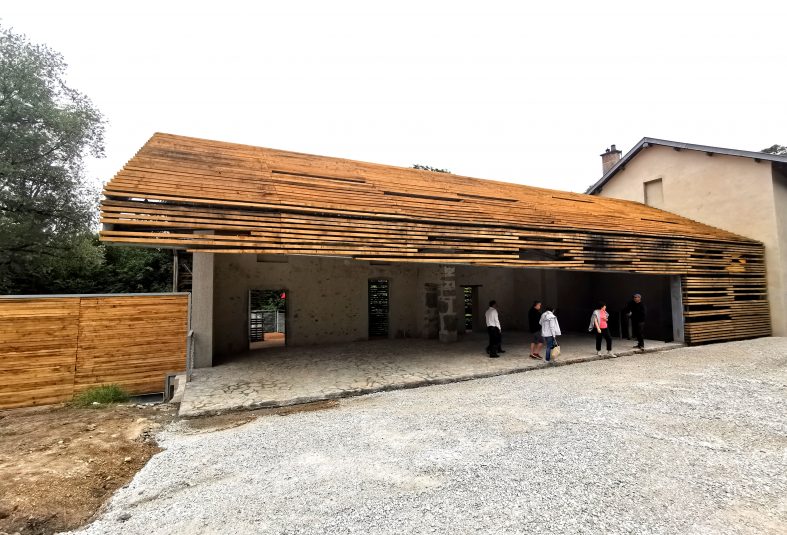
pixel 739 191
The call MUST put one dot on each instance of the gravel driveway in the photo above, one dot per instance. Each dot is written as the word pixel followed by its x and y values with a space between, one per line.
pixel 686 441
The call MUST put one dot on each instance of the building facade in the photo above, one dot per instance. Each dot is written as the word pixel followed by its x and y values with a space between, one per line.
pixel 362 250
pixel 740 191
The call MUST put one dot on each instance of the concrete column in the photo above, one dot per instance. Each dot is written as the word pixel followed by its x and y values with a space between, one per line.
pixel 202 309
pixel 446 303
pixel 676 299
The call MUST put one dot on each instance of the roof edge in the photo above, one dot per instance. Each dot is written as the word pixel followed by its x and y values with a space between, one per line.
pixel 646 142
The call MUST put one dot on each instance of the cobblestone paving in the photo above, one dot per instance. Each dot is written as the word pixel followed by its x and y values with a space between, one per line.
pixel 287 376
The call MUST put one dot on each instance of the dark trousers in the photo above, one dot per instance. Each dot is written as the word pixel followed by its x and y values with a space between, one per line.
pixel 639 331
pixel 603 334
pixel 495 339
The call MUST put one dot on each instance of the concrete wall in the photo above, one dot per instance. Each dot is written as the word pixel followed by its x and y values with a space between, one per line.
pixel 733 193
pixel 780 202
pixel 327 297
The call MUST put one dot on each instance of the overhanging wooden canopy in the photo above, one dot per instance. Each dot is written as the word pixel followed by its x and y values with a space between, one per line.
pixel 212 196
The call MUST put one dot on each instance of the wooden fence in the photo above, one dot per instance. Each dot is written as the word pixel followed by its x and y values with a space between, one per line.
pixel 52 347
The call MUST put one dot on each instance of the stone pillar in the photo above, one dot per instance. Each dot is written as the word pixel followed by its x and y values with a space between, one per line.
pixel 676 299
pixel 446 302
pixel 202 309
pixel 431 327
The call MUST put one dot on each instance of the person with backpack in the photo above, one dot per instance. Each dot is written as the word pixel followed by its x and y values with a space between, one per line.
pixel 599 323
pixel 550 330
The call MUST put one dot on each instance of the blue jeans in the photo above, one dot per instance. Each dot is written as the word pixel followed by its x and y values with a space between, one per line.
pixel 550 344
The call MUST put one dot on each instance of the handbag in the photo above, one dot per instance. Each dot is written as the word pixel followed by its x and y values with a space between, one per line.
pixel 555 350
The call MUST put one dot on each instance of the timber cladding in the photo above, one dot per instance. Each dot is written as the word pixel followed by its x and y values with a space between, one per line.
pixel 210 196
pixel 54 347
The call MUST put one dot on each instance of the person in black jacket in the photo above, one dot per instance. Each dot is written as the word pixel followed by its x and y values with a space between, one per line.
pixel 533 315
pixel 635 309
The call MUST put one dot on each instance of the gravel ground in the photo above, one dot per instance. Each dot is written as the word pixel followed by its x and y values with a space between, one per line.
pixel 686 441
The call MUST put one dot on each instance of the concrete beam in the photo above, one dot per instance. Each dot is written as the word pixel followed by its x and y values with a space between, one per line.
pixel 202 309
pixel 676 299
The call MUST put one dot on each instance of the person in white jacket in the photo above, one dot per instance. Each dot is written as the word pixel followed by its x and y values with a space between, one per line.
pixel 494 330
pixel 550 330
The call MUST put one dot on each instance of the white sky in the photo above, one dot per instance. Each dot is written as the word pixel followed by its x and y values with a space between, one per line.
pixel 504 90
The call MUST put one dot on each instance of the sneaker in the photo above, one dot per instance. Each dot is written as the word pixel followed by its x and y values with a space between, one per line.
pixel 500 351
pixel 599 353
pixel 611 354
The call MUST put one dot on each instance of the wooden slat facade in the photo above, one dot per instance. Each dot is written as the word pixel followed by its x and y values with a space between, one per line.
pixel 210 196
pixel 54 347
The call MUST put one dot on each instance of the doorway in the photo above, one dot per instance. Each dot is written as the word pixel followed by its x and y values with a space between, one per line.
pixel 267 318
pixel 378 308
pixel 471 313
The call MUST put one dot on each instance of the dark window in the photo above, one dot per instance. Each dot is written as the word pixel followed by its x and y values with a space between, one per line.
pixel 378 308
pixel 468 293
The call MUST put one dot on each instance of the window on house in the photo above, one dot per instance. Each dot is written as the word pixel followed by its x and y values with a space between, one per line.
pixel 654 193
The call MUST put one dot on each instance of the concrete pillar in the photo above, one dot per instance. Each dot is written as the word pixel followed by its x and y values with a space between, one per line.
pixel 676 299
pixel 202 309
pixel 446 302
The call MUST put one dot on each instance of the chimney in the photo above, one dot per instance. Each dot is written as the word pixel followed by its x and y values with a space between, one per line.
pixel 609 159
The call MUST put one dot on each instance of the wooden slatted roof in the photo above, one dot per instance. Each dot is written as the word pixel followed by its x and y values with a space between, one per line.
pixel 205 176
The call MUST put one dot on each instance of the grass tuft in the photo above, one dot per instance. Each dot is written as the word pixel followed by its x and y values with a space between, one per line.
pixel 104 394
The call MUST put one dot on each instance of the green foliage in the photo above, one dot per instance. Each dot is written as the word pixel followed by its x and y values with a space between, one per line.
pixel 104 394
pixel 93 267
pixel 46 129
pixel 136 269
pixel 429 168
pixel 779 150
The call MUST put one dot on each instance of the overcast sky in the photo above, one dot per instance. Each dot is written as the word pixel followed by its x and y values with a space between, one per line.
pixel 502 90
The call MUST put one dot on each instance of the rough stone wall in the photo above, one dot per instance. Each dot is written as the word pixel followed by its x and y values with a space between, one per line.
pixel 327 298
pixel 447 304
pixel 431 327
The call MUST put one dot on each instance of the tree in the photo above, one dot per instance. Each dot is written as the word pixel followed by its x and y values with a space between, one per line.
pixel 779 150
pixel 47 208
pixel 429 168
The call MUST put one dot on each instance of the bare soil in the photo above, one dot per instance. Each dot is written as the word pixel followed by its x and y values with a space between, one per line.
pixel 58 465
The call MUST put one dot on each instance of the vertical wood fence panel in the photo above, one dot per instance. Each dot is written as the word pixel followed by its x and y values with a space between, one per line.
pixel 53 347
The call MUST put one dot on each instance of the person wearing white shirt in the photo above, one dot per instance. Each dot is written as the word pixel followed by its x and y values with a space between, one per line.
pixel 550 330
pixel 494 330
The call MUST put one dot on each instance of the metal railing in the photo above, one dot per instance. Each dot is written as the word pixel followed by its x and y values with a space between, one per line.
pixel 189 354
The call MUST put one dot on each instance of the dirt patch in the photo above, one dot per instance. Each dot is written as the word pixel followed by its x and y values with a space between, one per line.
pixel 236 419
pixel 58 465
